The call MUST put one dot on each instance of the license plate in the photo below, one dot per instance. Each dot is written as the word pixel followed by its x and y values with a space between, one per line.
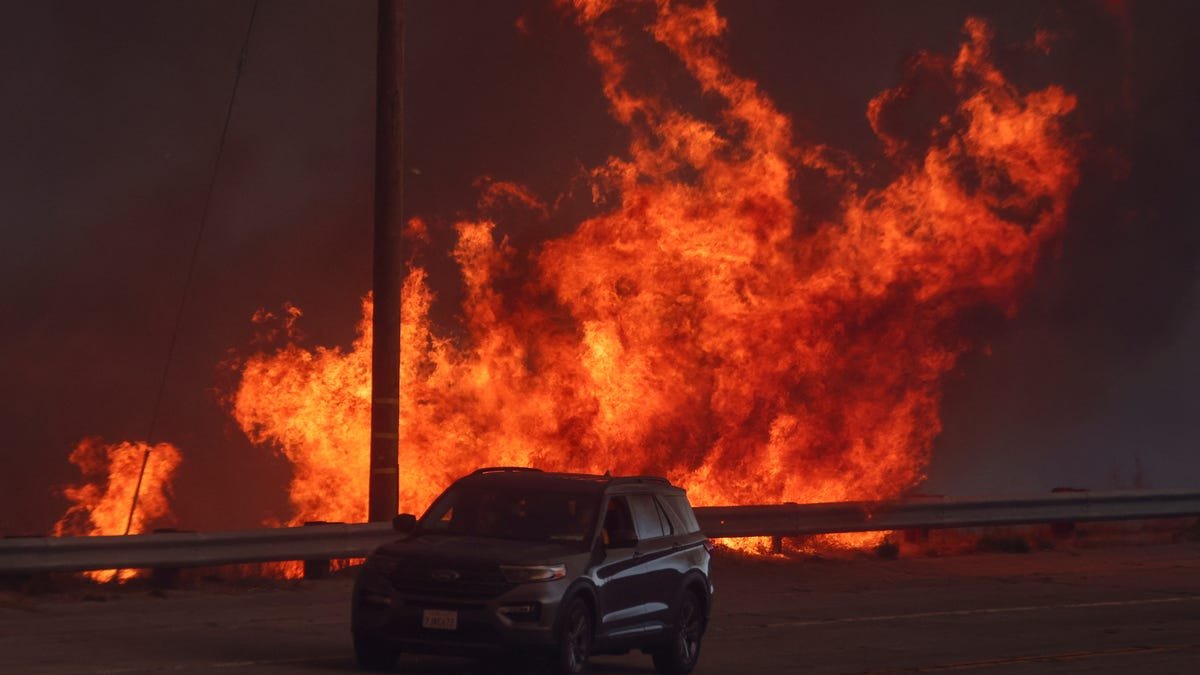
pixel 440 619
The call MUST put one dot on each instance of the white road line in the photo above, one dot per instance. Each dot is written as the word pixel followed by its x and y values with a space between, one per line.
pixel 216 665
pixel 1060 657
pixel 967 612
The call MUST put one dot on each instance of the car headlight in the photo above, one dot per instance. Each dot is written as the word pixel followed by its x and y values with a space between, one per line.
pixel 383 566
pixel 523 574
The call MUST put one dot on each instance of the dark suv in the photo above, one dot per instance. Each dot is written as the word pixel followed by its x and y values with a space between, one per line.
pixel 517 561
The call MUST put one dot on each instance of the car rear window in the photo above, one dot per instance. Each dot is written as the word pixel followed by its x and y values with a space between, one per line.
pixel 681 512
pixel 646 517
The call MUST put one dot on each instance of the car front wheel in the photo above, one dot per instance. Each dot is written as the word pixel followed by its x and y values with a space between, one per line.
pixel 575 638
pixel 681 652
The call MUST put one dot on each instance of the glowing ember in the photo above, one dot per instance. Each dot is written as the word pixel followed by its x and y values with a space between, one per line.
pixel 101 505
pixel 712 324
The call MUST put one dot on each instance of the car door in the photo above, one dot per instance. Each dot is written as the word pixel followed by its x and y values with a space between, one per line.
pixel 635 583
pixel 628 600
pixel 658 575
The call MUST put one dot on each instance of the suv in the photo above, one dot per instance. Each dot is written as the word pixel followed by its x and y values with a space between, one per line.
pixel 512 561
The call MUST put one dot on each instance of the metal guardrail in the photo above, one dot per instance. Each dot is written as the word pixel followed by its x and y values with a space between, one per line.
pixel 790 520
pixel 328 541
pixel 191 549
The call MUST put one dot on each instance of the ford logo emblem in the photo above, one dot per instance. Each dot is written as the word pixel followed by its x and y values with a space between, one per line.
pixel 444 575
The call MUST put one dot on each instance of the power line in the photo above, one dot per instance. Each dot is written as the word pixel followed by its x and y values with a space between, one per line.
pixel 191 269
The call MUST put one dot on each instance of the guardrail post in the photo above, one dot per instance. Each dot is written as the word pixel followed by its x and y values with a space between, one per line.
pixel 164 576
pixel 1063 529
pixel 777 544
pixel 316 568
pixel 22 580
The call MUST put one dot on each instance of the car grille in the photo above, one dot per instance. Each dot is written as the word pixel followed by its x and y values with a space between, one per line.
pixel 433 579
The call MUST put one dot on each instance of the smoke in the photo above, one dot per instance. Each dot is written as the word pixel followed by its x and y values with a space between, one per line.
pixel 116 109
pixel 1094 384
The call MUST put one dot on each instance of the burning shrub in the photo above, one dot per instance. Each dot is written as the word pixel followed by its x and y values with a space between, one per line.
pixel 699 326
pixel 112 472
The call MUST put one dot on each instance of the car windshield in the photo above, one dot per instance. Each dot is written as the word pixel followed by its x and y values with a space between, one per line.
pixel 509 513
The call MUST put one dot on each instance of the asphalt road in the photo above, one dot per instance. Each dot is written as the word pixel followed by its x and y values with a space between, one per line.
pixel 1109 610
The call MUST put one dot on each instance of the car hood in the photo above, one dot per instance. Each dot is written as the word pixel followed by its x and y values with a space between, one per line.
pixel 477 549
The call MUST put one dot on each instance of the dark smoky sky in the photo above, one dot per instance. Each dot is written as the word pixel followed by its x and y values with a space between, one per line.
pixel 109 125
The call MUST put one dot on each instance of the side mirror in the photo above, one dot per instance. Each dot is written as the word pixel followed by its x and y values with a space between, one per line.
pixel 622 539
pixel 404 523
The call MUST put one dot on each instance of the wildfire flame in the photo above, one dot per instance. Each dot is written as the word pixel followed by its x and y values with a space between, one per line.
pixel 101 503
pixel 711 324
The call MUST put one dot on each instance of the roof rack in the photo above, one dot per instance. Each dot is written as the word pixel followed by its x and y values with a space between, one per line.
pixel 498 469
pixel 639 479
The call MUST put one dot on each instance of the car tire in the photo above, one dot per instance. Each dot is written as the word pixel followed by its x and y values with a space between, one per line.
pixel 682 651
pixel 574 638
pixel 374 654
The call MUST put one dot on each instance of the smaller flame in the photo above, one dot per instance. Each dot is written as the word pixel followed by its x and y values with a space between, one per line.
pixel 110 474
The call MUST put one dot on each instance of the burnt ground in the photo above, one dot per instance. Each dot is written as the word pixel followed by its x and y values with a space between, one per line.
pixel 1097 608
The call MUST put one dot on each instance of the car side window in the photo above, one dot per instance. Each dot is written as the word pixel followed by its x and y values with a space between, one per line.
pixel 645 516
pixel 618 524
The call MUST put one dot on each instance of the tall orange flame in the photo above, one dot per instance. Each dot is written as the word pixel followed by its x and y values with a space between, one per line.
pixel 101 504
pixel 711 324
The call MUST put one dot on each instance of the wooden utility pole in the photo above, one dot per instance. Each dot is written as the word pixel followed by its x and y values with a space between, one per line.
pixel 388 264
